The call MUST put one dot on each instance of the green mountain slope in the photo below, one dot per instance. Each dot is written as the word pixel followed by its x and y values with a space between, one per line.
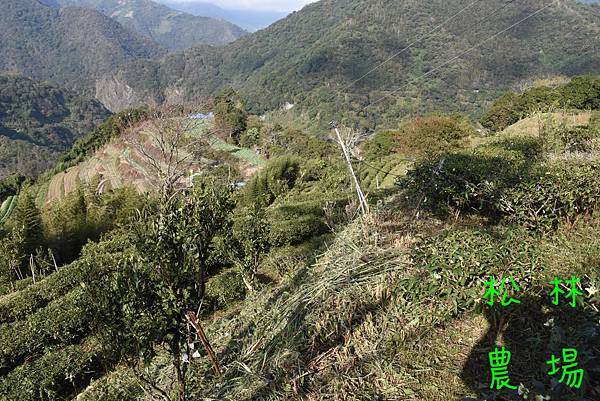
pixel 172 29
pixel 70 46
pixel 38 122
pixel 312 57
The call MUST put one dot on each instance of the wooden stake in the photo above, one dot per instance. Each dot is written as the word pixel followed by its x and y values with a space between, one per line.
pixel 211 354
pixel 32 267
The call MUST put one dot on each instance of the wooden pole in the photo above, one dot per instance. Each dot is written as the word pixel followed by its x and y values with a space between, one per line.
pixel 211 354
pixel 364 206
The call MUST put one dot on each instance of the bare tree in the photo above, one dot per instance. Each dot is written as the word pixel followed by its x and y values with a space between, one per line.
pixel 168 144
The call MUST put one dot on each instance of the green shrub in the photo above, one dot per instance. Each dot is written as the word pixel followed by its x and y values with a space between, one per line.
pixel 553 194
pixel 35 296
pixel 293 223
pixel 278 177
pixel 380 145
pixel 62 322
pixel 19 285
pixel 582 93
pixel 432 135
pixel 595 122
pixel 504 112
pixel 577 139
pixel 470 181
pixel 55 375
pixel 511 183
pixel 226 288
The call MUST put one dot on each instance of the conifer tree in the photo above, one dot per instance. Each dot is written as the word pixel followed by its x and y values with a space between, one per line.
pixel 28 219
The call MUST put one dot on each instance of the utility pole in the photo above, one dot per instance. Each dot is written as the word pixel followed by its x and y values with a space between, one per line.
pixel 362 200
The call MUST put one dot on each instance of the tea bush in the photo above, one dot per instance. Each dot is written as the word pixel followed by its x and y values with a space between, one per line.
pixel 497 182
pixel 582 93
pixel 294 222
pixel 470 181
pixel 63 321
pixel 35 296
pixel 559 192
pixel 278 177
pixel 226 288
pixel 56 375
pixel 432 135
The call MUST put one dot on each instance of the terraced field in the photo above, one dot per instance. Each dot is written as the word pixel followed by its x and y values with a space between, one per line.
pixel 119 163
pixel 7 207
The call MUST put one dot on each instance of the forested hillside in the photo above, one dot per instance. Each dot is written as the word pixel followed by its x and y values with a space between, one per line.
pixel 312 57
pixel 38 122
pixel 69 46
pixel 171 29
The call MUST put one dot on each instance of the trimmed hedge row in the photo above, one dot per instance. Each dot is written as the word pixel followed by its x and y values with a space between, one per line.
pixel 293 223
pixel 63 321
pixel 57 375
pixel 582 93
pixel 509 184
pixel 20 285
pixel 20 304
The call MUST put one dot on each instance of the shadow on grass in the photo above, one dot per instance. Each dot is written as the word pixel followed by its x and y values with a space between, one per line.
pixel 533 332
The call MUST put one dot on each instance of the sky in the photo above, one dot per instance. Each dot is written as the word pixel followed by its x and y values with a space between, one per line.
pixel 265 5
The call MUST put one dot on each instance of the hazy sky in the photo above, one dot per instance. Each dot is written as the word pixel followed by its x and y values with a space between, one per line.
pixel 275 5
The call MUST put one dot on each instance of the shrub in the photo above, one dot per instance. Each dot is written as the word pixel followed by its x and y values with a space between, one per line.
pixel 293 223
pixel 431 135
pixel 595 122
pixel 504 112
pixel 226 288
pixel 553 194
pixel 468 182
pixel 62 322
pixel 380 145
pixel 278 177
pixel 35 296
pixel 578 139
pixel 55 375
pixel 497 182
pixel 582 93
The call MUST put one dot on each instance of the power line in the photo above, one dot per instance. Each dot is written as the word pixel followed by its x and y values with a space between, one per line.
pixel 409 46
pixel 430 33
pixel 461 54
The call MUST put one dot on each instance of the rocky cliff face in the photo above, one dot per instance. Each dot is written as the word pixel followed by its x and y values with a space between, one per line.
pixel 116 95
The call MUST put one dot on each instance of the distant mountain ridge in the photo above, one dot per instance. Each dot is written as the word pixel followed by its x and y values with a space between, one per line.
pixel 312 58
pixel 71 46
pixel 174 30
pixel 251 20
pixel 39 121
